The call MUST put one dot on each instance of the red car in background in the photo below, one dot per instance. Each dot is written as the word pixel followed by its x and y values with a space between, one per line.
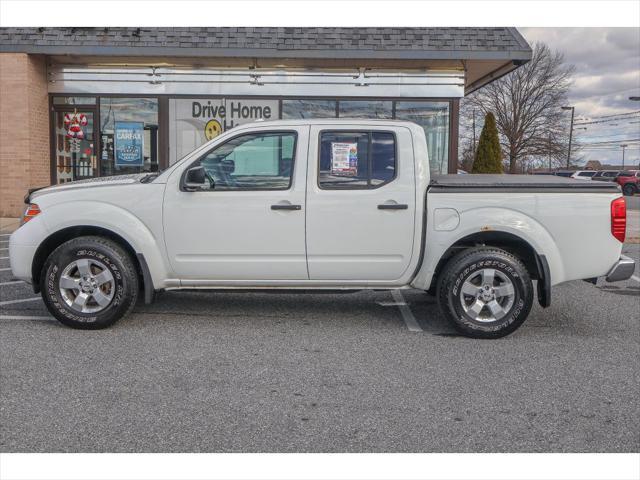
pixel 629 181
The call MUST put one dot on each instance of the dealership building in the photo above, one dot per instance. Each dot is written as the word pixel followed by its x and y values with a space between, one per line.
pixel 68 94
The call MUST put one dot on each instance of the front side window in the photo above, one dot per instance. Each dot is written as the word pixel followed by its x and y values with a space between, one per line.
pixel 356 160
pixel 256 161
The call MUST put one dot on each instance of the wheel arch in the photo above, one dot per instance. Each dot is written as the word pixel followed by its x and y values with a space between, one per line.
pixel 535 262
pixel 54 240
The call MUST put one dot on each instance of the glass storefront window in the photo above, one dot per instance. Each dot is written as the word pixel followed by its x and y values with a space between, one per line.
pixel 434 118
pixel 74 100
pixel 137 111
pixel 308 109
pixel 365 109
pixel 194 121
pixel 75 156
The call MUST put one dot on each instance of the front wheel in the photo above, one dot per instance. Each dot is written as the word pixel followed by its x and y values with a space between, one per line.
pixel 89 283
pixel 485 292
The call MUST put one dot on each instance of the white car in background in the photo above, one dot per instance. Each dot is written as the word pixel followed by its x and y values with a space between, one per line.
pixel 583 174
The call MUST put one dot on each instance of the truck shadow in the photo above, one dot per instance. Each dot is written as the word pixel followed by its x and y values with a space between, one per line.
pixel 365 308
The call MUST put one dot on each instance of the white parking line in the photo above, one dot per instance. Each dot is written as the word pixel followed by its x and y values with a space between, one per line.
pixel 24 317
pixel 409 320
pixel 4 258
pixel 12 282
pixel 4 269
pixel 637 279
pixel 22 300
pixel 6 249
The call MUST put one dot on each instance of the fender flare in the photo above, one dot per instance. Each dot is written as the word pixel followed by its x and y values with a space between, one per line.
pixel 122 223
pixel 494 219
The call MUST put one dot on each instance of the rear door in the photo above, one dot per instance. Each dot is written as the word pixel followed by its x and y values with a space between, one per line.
pixel 361 203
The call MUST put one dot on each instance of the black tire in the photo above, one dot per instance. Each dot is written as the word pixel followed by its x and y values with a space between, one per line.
pixel 468 266
pixel 629 189
pixel 118 294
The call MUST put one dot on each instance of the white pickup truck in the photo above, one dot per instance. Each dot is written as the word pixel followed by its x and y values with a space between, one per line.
pixel 319 204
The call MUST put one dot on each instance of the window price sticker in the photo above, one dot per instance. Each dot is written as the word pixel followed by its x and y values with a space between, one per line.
pixel 344 159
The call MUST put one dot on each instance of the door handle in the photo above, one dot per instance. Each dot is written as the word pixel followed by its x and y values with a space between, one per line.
pixel 393 206
pixel 285 206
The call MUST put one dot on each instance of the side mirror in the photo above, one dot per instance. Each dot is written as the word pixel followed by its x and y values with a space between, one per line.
pixel 194 179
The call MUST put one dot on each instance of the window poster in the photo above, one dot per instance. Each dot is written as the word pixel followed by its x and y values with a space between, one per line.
pixel 194 121
pixel 344 159
pixel 129 144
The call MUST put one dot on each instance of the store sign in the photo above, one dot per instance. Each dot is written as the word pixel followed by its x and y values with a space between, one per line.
pixel 196 121
pixel 129 144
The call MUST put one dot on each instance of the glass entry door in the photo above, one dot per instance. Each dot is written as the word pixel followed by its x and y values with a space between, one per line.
pixel 75 147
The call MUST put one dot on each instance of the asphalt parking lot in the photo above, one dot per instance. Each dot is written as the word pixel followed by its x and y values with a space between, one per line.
pixel 360 372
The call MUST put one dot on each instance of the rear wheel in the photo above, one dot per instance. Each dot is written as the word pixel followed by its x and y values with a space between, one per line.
pixel 89 283
pixel 485 292
pixel 629 189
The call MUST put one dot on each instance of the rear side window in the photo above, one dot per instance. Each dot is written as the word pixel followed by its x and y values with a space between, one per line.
pixel 586 174
pixel 356 160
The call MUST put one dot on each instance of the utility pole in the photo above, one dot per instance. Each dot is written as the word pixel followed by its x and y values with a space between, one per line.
pixel 549 152
pixel 623 147
pixel 573 110
pixel 473 122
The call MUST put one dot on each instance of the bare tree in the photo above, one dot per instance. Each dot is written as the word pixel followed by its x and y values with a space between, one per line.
pixel 527 106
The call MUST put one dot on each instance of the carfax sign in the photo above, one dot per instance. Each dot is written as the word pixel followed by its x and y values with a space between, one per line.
pixel 128 144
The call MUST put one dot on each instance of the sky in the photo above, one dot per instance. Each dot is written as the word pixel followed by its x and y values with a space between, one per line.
pixel 607 73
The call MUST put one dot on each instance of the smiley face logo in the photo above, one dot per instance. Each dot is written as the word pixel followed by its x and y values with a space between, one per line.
pixel 212 129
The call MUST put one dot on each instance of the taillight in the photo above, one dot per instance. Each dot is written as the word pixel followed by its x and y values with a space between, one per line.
pixel 31 211
pixel 619 218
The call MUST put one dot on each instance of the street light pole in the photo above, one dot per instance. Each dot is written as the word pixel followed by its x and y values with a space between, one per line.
pixel 573 111
pixel 549 152
pixel 623 147
pixel 474 131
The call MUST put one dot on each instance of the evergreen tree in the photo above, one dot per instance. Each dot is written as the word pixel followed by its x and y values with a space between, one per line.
pixel 488 158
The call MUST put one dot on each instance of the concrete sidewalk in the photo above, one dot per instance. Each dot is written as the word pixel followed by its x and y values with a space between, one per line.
pixel 8 225
pixel 633 226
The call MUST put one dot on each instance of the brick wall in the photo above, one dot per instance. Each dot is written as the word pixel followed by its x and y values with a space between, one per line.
pixel 24 129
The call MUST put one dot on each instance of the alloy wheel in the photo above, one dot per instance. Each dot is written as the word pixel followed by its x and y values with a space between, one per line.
pixel 87 286
pixel 487 295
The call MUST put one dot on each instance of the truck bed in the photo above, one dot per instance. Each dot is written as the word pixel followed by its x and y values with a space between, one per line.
pixel 516 183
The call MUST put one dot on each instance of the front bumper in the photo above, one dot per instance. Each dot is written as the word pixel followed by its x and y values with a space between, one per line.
pixel 622 270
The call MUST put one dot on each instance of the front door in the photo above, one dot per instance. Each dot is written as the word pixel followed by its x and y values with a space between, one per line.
pixel 75 147
pixel 361 204
pixel 248 222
